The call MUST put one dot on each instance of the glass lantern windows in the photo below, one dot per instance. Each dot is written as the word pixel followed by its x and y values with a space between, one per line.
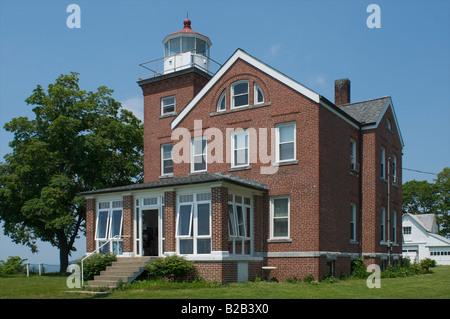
pixel 186 44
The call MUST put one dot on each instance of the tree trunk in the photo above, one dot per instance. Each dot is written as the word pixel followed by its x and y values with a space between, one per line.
pixel 63 258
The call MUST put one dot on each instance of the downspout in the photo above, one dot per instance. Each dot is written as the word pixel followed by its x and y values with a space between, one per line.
pixel 360 190
pixel 389 211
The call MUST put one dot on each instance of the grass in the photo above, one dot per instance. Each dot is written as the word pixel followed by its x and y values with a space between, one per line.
pixel 428 286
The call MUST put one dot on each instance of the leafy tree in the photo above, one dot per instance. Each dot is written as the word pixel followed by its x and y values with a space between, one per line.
pixel 78 141
pixel 422 197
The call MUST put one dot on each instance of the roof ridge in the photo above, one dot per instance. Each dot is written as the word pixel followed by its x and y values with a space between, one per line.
pixel 374 99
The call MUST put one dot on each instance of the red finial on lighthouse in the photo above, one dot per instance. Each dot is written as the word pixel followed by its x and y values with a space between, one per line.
pixel 187 23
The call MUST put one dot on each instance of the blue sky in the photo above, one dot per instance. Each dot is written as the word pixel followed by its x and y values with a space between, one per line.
pixel 313 42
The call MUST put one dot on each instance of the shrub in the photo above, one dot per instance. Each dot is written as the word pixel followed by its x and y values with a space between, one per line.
pixel 309 278
pixel 93 265
pixel 174 268
pixel 12 266
pixel 359 269
pixel 426 264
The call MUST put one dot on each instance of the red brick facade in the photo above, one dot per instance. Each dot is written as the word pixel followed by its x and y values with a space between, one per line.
pixel 319 182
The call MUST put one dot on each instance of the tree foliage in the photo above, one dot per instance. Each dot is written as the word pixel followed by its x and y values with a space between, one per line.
pixel 422 197
pixel 78 141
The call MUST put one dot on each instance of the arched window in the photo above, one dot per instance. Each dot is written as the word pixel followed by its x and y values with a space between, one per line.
pixel 221 104
pixel 258 94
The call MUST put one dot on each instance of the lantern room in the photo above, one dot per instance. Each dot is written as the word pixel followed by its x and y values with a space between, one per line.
pixel 186 48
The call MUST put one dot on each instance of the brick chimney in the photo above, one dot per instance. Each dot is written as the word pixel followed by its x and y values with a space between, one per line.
pixel 342 91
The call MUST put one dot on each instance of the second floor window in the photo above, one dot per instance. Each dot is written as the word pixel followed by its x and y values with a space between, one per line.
pixel 285 142
pixel 166 159
pixel 383 163
pixel 168 105
pixel 198 154
pixel 239 146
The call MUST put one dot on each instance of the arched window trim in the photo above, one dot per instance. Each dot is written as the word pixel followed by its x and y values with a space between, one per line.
pixel 222 102
pixel 257 88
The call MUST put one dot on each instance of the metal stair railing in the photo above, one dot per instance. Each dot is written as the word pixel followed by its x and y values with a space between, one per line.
pixel 117 237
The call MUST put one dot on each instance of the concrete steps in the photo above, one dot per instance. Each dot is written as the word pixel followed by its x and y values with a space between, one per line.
pixel 125 269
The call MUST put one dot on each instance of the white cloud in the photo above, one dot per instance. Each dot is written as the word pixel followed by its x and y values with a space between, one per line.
pixel 135 105
pixel 275 48
pixel 319 79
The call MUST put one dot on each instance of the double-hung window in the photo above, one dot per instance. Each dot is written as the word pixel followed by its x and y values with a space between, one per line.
pixel 239 225
pixel 383 163
pixel 194 224
pixel 239 94
pixel 198 154
pixel 394 227
pixel 285 142
pixel 168 105
pixel 109 226
pixel 279 217
pixel 240 153
pixel 394 169
pixel 352 154
pixel 167 159
pixel 352 222
pixel 383 224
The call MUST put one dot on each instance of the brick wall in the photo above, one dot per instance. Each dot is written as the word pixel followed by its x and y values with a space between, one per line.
pixel 170 221
pixel 128 224
pixel 90 224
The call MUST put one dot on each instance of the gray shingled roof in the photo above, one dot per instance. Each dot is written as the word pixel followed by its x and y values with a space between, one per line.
pixel 366 112
pixel 178 181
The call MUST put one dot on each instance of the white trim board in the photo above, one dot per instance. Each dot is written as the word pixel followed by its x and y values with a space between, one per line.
pixel 241 54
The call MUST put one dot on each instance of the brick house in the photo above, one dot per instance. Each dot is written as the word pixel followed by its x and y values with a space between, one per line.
pixel 245 167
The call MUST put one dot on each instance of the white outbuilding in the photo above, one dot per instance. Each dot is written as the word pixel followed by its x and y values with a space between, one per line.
pixel 420 239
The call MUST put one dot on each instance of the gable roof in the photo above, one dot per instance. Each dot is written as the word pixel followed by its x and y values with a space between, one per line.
pixel 365 115
pixel 369 113
pixel 241 54
pixel 427 222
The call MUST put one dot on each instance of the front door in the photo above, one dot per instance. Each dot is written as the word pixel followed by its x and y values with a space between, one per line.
pixel 150 234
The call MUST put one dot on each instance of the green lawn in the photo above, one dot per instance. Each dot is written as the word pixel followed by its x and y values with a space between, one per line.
pixel 430 286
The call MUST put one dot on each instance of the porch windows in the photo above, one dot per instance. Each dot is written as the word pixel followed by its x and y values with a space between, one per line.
pixel 194 224
pixel 239 225
pixel 109 226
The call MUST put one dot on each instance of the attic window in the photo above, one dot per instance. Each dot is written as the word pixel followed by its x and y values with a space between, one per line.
pixel 239 94
pixel 258 94
pixel 389 124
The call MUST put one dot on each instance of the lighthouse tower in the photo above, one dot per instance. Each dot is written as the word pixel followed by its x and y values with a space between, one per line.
pixel 186 48
pixel 173 82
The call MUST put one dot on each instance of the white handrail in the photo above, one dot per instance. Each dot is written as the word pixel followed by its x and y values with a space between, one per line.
pixel 98 249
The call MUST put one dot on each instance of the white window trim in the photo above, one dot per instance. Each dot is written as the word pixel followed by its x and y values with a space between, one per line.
pixel 109 210
pixel 272 211
pixel 394 169
pixel 383 225
pixel 163 159
pixel 202 154
pixel 223 96
pixel 193 225
pixel 277 142
pixel 233 149
pixel 174 105
pixel 255 94
pixel 353 221
pixel 383 163
pixel 247 223
pixel 232 95
pixel 353 152
pixel 394 226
